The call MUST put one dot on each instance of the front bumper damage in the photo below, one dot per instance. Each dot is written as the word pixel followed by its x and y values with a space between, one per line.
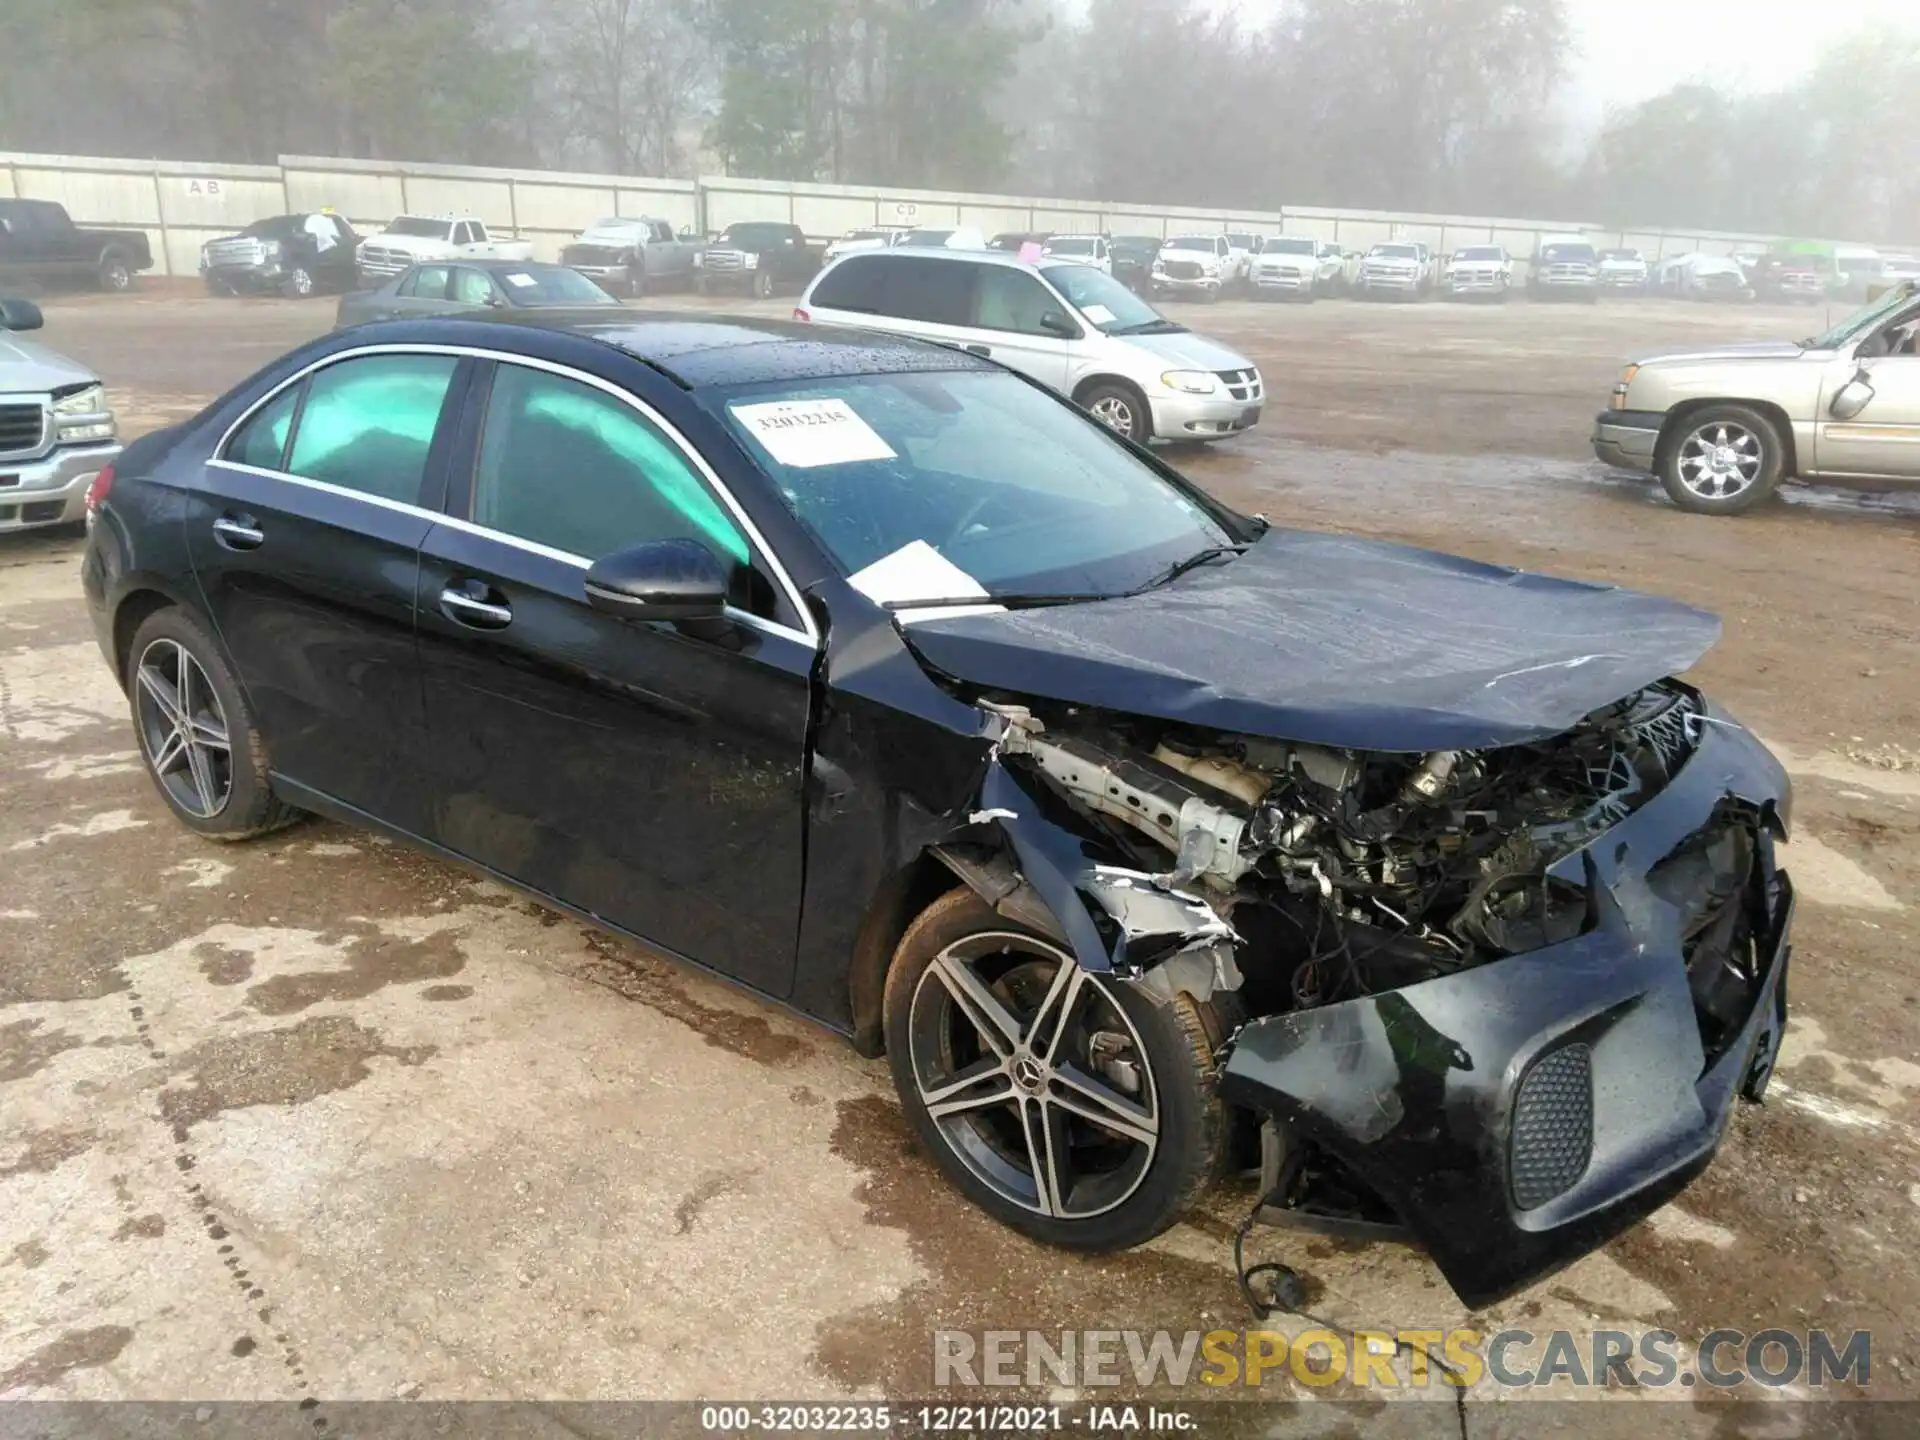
pixel 1518 1115
pixel 1509 1118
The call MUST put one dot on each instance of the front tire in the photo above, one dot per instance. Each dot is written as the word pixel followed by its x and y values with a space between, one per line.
pixel 1723 460
pixel 1073 1107
pixel 197 734
pixel 299 283
pixel 1121 409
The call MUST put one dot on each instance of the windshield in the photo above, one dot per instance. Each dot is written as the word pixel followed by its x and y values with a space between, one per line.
pixel 420 225
pixel 1619 254
pixel 1482 252
pixel 865 235
pixel 278 228
pixel 1108 304
pixel 551 285
pixel 1291 245
pixel 1396 252
pixel 1861 321
pixel 1070 245
pixel 926 237
pixel 1011 485
pixel 1240 242
pixel 753 236
pixel 1191 242
pixel 1568 254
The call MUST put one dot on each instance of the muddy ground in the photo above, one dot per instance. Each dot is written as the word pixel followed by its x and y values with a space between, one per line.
pixel 316 1117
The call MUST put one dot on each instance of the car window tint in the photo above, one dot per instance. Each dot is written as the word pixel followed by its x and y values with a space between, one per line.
pixel 472 287
pixel 427 282
pixel 568 465
pixel 851 285
pixel 262 441
pixel 1009 299
pixel 908 287
pixel 368 423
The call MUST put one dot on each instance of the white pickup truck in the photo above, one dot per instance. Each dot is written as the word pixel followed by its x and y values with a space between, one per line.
pixel 413 238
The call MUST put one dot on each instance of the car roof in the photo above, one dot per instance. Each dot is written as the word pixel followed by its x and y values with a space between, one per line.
pixel 701 351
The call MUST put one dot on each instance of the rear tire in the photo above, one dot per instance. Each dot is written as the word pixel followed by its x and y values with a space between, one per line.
pixel 115 275
pixel 1021 1143
pixel 1722 460
pixel 205 757
pixel 299 283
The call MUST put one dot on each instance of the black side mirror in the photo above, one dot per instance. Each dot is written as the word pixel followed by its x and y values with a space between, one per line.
pixel 1054 323
pixel 20 315
pixel 660 580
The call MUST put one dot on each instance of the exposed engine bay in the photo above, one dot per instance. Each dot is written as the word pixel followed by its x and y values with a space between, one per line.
pixel 1361 872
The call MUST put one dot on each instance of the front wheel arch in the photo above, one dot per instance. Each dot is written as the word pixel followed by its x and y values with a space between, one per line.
pixel 1084 391
pixel 1675 425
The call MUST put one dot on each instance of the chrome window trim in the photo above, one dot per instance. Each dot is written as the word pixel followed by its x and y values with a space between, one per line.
pixel 809 635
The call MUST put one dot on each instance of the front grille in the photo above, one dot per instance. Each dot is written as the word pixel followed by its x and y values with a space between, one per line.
pixel 724 260
pixel 1182 270
pixel 590 255
pixel 42 511
pixel 23 429
pixel 379 260
pixel 1387 273
pixel 244 253
pixel 1568 274
pixel 1241 384
pixel 1551 1141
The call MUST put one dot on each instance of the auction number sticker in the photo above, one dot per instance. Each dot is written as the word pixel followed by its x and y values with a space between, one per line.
pixel 809 433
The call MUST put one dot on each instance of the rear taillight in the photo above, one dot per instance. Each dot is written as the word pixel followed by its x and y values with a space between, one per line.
pixel 97 491
pixel 801 315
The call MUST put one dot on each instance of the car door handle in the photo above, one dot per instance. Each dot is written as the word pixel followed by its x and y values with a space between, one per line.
pixel 978 349
pixel 463 607
pixel 239 532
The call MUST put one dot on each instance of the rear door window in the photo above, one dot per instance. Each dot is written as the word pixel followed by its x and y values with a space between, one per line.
pixel 427 282
pixel 369 423
pixel 907 287
pixel 472 287
pixel 262 441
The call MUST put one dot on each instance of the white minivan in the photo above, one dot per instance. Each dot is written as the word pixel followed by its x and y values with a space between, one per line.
pixel 1067 325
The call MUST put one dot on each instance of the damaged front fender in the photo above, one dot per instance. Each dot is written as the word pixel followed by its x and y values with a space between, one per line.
pixel 1114 919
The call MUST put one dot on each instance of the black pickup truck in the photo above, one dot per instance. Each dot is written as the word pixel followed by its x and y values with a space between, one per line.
pixel 39 243
pixel 293 255
pixel 757 256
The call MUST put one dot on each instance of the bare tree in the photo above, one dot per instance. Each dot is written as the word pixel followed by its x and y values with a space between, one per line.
pixel 630 76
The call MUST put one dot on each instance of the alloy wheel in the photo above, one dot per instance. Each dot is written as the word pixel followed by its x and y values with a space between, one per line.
pixel 1720 460
pixel 302 282
pixel 1034 1075
pixel 1113 412
pixel 183 729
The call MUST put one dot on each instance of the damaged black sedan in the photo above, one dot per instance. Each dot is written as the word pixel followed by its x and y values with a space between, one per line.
pixel 1143 838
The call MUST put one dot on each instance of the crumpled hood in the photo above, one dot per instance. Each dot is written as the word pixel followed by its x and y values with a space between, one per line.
pixel 1187 350
pixel 26 367
pixel 1339 641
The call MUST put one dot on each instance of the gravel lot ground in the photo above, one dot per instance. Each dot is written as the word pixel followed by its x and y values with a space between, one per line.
pixel 318 1117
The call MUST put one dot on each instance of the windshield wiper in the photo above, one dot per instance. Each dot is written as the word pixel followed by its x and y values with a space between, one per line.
pixel 1180 567
pixel 1150 327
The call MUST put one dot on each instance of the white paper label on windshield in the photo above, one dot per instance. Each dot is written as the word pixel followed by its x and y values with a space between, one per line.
pixel 918 572
pixel 1098 314
pixel 808 433
pixel 521 278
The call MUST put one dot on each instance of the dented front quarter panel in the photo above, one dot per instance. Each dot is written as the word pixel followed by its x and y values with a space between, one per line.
pixel 1414 1089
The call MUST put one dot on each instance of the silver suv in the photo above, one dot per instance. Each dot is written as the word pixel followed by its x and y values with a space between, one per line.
pixel 56 432
pixel 1069 326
